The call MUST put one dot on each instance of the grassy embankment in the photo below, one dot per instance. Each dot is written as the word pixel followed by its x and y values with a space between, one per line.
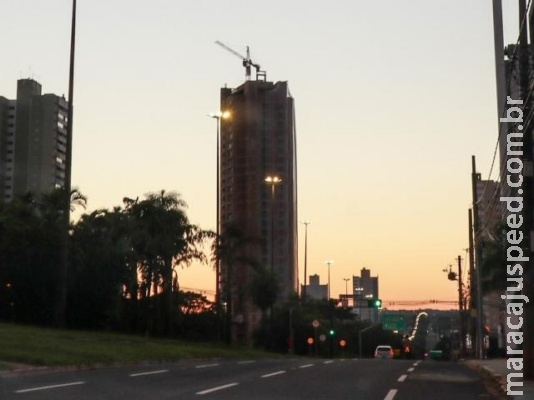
pixel 38 347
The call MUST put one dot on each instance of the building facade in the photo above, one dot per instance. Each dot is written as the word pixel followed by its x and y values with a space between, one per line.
pixel 365 287
pixel 314 290
pixel 258 141
pixel 33 141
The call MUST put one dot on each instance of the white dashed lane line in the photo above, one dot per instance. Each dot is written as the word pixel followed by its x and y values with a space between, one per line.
pixel 328 362
pixel 49 387
pixel 161 371
pixel 306 366
pixel 246 362
pixel 391 394
pixel 273 374
pixel 207 365
pixel 402 378
pixel 229 385
pixel 410 369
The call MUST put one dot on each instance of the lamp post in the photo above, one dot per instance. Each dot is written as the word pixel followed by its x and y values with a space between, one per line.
pixel 306 223
pixel 272 180
pixel 64 260
pixel 346 291
pixel 217 117
pixel 329 262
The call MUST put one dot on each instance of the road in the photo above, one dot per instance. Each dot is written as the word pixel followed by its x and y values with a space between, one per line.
pixel 258 380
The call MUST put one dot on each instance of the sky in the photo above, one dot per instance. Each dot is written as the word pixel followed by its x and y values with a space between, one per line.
pixel 392 98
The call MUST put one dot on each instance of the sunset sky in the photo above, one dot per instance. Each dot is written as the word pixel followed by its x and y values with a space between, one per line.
pixel 392 98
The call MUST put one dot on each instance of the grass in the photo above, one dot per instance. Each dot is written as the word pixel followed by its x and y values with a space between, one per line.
pixel 50 347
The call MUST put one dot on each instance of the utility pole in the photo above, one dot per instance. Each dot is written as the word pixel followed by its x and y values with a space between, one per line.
pixel 476 236
pixel 524 71
pixel 472 280
pixel 461 307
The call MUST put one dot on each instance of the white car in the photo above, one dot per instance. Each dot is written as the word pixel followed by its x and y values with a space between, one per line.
pixel 384 351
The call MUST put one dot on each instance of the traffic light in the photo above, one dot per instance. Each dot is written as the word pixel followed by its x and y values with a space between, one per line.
pixel 374 303
pixel 332 332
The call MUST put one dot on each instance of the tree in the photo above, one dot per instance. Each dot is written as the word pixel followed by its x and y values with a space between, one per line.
pixel 231 248
pixel 493 259
pixel 162 238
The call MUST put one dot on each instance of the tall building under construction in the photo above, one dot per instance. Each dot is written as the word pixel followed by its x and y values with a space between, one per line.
pixel 257 142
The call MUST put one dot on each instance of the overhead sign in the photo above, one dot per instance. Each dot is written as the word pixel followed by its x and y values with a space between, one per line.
pixel 394 322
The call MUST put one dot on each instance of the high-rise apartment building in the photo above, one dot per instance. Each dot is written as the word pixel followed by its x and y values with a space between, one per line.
pixel 33 141
pixel 258 141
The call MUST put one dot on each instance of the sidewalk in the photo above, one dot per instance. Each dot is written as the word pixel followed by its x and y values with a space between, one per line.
pixel 496 369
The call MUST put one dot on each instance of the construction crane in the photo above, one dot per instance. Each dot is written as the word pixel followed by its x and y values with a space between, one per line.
pixel 247 63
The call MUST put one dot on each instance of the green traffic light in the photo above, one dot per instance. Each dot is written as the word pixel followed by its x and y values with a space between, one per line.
pixel 332 332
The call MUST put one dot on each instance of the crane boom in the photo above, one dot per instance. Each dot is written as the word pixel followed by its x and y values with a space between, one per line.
pixel 247 62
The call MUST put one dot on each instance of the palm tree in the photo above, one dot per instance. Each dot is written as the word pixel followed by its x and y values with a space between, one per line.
pixel 163 238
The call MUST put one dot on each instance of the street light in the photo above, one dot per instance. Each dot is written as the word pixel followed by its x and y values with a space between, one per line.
pixel 218 116
pixel 272 180
pixel 306 223
pixel 61 305
pixel 346 291
pixel 329 262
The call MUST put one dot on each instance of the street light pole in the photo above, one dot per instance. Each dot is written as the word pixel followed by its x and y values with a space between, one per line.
pixel 329 262
pixel 346 291
pixel 217 117
pixel 62 292
pixel 272 180
pixel 306 223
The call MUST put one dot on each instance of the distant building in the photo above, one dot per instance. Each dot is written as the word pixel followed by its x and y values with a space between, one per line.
pixel 258 140
pixel 33 141
pixel 315 290
pixel 365 287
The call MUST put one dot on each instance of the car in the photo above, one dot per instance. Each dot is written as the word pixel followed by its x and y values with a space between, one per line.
pixel 384 351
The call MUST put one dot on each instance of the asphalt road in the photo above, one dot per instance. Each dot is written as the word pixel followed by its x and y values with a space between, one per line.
pixel 255 380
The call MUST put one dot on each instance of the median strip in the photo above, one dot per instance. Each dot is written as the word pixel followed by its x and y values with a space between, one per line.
pixel 49 387
pixel 229 385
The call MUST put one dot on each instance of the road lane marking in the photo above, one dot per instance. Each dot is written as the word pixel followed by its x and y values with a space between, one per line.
pixel 329 361
pixel 246 362
pixel 229 385
pixel 306 366
pixel 49 387
pixel 391 394
pixel 416 364
pixel 410 369
pixel 273 374
pixel 207 365
pixel 161 371
pixel 402 378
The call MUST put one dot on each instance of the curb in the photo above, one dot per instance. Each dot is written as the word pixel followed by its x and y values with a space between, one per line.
pixel 494 376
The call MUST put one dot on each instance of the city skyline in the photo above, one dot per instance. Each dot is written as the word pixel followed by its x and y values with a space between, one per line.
pixel 387 117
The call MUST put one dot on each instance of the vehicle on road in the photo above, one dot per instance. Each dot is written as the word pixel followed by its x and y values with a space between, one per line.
pixel 383 351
